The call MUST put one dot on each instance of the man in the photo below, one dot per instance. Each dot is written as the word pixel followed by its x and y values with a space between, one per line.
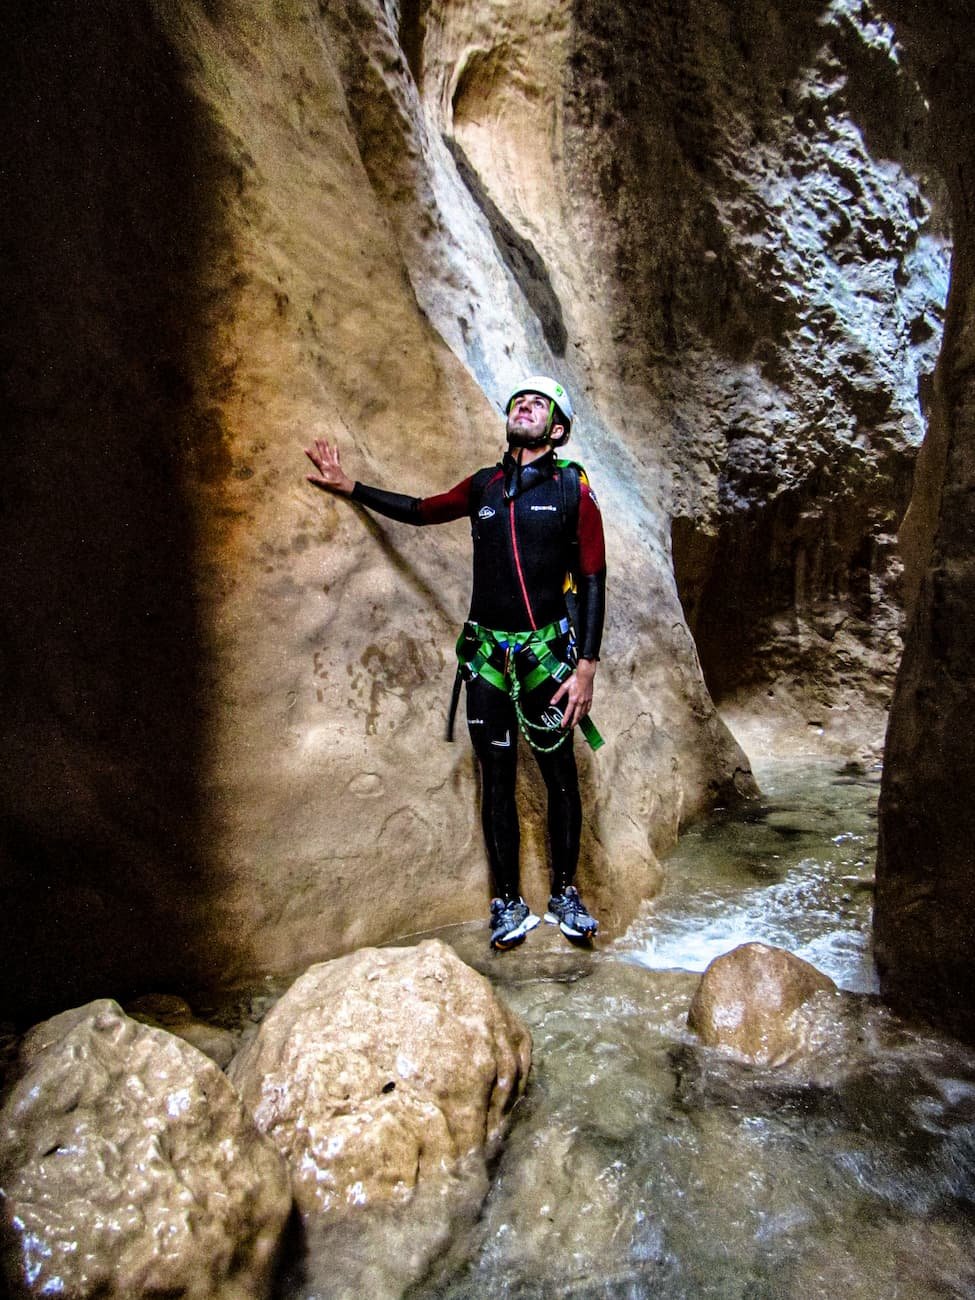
pixel 534 521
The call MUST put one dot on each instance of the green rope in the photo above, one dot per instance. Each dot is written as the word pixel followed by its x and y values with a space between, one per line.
pixel 544 727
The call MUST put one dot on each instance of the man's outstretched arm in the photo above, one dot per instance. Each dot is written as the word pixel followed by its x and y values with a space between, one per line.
pixel 394 505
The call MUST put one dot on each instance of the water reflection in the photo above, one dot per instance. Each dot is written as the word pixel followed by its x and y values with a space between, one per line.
pixel 645 1166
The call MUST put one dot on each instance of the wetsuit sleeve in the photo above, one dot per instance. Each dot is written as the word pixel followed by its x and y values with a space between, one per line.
pixel 415 510
pixel 591 577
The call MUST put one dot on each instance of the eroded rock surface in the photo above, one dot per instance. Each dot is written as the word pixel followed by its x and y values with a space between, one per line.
pixel 925 900
pixel 379 1071
pixel 250 225
pixel 810 299
pixel 130 1168
pixel 747 998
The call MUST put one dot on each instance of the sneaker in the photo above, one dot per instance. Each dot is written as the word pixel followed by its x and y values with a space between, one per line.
pixel 510 922
pixel 569 913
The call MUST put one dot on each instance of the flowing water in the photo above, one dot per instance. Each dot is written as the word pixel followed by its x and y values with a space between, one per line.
pixel 641 1164
pixel 795 872
pixel 644 1165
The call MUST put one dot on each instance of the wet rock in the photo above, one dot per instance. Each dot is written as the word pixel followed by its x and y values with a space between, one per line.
pixel 381 1070
pixel 166 1011
pixel 546 956
pixel 129 1167
pixel 791 823
pixel 924 939
pixel 747 1000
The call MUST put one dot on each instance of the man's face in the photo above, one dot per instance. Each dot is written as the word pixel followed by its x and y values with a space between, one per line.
pixel 528 419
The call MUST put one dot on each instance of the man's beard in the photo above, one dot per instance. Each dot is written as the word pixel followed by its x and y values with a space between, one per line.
pixel 521 437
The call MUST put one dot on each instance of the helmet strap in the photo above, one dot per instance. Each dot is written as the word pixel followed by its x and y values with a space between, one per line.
pixel 560 442
pixel 545 437
pixel 535 443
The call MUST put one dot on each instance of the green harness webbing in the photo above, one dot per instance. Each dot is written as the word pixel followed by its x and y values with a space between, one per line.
pixel 547 668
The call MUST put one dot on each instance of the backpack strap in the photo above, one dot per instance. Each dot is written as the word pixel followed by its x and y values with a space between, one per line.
pixel 571 478
pixel 478 483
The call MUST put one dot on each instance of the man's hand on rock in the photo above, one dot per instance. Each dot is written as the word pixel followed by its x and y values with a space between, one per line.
pixel 577 690
pixel 331 477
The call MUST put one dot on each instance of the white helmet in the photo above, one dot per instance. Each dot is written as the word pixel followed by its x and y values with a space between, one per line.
pixel 554 391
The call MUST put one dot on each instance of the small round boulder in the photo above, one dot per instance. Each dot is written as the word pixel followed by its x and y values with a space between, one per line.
pixel 747 999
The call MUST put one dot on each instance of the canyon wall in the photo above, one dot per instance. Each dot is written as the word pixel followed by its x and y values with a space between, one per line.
pixel 924 934
pixel 233 228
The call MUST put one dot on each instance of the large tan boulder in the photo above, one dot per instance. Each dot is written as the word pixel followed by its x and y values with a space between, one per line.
pixel 379 1070
pixel 130 1168
pixel 747 1000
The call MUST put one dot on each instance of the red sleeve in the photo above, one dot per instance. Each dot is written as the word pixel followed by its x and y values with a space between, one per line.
pixel 448 505
pixel 592 545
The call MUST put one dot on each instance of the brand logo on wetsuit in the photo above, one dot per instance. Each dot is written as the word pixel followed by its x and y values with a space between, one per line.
pixel 545 507
pixel 486 512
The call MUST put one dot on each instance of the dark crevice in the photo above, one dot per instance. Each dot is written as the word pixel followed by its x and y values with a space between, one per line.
pixel 412 30
pixel 770 586
pixel 519 255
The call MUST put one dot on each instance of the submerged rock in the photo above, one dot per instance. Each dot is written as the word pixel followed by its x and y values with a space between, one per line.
pixel 129 1168
pixel 380 1070
pixel 747 999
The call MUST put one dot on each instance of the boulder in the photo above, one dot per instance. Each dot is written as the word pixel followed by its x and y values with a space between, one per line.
pixel 382 1069
pixel 129 1168
pixel 747 1000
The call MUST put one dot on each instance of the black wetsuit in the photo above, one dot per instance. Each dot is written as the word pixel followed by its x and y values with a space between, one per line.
pixel 528 530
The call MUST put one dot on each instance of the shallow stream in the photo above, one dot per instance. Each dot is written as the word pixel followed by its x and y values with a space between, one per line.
pixel 796 871
pixel 643 1165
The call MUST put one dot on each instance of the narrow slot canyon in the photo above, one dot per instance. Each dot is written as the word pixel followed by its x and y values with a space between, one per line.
pixel 240 865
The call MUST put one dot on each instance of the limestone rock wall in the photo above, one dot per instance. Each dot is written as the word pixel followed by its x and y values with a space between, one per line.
pixel 231 228
pixel 924 937
pixel 786 305
pixel 749 252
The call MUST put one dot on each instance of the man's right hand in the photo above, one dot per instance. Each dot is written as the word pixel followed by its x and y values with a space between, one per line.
pixel 331 477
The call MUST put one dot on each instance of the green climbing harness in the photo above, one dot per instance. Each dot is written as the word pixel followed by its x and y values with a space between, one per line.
pixel 485 652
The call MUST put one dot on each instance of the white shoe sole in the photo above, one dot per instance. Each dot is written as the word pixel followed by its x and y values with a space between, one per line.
pixel 513 936
pixel 567 930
